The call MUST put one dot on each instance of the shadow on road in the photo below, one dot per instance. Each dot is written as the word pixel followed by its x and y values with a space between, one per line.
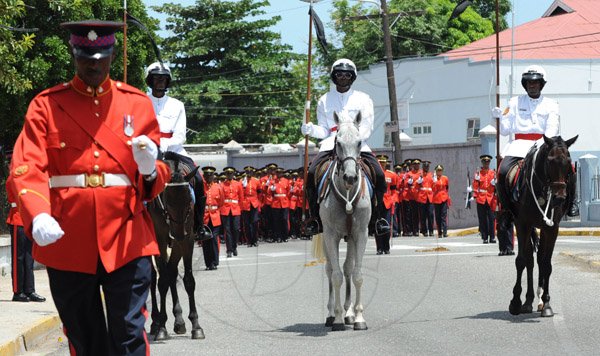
pixel 313 330
pixel 505 315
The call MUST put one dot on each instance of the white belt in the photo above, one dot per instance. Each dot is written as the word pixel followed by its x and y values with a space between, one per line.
pixel 482 190
pixel 213 207
pixel 13 205
pixel 231 201
pixel 89 180
pixel 425 189
pixel 280 195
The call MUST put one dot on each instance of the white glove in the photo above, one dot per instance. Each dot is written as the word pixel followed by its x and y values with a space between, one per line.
pixel 244 182
pixel 469 189
pixel 292 189
pixel 410 181
pixel 307 129
pixel 420 180
pixel 273 188
pixel 472 198
pixel 435 178
pixel 144 154
pixel 493 181
pixel 477 176
pixel 45 230
pixel 496 112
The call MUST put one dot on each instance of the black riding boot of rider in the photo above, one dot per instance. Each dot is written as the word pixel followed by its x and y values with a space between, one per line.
pixel 312 225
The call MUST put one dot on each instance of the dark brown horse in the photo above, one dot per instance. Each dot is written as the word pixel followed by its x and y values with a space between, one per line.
pixel 546 194
pixel 173 217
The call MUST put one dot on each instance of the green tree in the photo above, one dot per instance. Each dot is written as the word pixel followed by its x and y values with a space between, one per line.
pixel 426 34
pixel 236 78
pixel 48 60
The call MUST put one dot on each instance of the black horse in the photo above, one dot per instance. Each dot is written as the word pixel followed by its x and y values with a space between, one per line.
pixel 172 213
pixel 546 192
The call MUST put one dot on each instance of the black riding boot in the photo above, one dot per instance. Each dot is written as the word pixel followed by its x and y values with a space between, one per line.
pixel 312 225
pixel 202 234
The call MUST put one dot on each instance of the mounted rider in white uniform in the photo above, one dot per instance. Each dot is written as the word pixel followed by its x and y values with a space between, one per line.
pixel 170 114
pixel 344 101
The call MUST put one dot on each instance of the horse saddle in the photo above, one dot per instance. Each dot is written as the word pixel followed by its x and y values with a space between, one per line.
pixel 324 173
pixel 514 180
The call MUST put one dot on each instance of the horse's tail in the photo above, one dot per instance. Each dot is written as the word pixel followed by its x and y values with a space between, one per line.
pixel 318 248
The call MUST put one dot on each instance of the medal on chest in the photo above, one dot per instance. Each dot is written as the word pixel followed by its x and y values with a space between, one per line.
pixel 128 125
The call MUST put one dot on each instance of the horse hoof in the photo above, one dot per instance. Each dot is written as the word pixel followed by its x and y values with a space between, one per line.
pixel 179 329
pixel 198 334
pixel 154 328
pixel 162 334
pixel 349 320
pixel 338 327
pixel 329 321
pixel 514 308
pixel 547 312
pixel 526 309
pixel 361 325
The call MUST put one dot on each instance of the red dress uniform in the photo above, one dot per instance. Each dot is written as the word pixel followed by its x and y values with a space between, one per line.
pixel 425 189
pixel 14 217
pixel 214 201
pixel 440 190
pixel 483 190
pixel 233 194
pixel 389 197
pixel 280 194
pixel 110 223
pixel 251 194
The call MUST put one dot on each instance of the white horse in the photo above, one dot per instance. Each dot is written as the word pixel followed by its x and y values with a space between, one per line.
pixel 345 212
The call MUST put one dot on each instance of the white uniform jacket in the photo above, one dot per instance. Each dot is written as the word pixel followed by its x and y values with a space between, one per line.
pixel 349 103
pixel 525 115
pixel 172 122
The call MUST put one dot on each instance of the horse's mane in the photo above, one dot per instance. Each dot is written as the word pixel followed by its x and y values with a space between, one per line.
pixel 182 169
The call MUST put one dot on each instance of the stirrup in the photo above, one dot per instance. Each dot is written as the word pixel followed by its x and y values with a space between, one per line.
pixel 382 227
pixel 310 227
pixel 203 234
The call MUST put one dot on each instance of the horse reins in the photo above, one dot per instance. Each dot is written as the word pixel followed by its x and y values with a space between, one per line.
pixel 166 213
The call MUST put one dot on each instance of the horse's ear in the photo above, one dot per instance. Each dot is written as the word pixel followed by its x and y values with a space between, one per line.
pixel 336 118
pixel 191 175
pixel 358 118
pixel 571 141
pixel 547 140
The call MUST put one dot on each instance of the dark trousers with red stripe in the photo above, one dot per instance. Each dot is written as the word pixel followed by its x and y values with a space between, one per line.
pixel 79 304
pixel 22 261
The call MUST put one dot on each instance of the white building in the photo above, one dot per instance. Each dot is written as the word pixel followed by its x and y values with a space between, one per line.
pixel 450 97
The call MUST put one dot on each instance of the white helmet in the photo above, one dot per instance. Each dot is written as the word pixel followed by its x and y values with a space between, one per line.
pixel 533 72
pixel 157 68
pixel 343 65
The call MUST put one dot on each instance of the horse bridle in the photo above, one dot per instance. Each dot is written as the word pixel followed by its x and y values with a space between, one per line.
pixel 338 164
pixel 546 187
pixel 166 213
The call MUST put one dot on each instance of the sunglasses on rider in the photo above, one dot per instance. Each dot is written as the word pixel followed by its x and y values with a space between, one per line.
pixel 343 75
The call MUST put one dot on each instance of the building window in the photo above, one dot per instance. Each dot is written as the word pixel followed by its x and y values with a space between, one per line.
pixel 472 129
pixel 422 130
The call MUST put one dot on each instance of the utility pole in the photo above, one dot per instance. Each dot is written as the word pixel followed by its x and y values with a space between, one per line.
pixel 389 65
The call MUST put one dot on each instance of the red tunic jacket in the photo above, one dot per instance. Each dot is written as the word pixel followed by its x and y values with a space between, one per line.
pixel 440 190
pixel 233 194
pixel 214 201
pixel 483 190
pixel 110 223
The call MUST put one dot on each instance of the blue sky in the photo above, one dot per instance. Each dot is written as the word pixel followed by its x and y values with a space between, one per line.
pixel 294 13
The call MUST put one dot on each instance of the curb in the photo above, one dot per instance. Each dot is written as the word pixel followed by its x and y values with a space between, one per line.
pixel 561 232
pixel 30 337
pixel 583 259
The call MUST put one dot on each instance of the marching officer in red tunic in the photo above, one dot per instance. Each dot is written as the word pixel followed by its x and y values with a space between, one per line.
pixel 23 282
pixel 251 205
pixel 231 211
pixel 279 189
pixel 441 200
pixel 425 198
pixel 83 166
pixel 382 240
pixel 212 217
pixel 484 189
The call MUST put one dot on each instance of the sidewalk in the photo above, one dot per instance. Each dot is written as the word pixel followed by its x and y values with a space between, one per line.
pixel 25 325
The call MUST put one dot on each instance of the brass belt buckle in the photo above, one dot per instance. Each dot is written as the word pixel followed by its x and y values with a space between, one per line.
pixel 94 180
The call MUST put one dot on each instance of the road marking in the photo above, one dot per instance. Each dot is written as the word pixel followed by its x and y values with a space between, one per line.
pixel 281 254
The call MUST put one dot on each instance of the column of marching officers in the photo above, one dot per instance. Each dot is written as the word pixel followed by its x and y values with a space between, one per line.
pixel 265 205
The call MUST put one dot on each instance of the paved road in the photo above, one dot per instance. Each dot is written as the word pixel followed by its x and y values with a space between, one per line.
pixel 454 300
